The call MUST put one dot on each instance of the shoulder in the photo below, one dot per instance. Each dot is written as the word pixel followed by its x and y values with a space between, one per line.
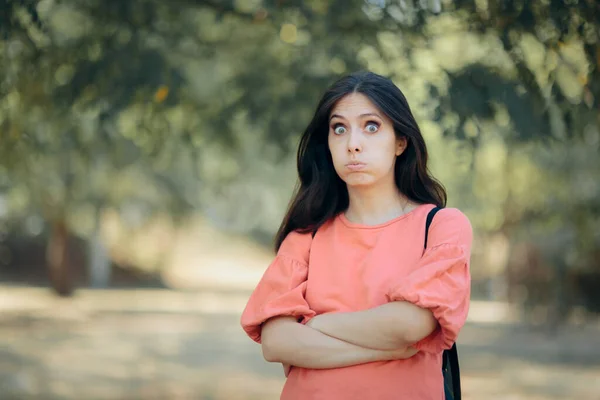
pixel 447 216
pixel 451 225
pixel 296 245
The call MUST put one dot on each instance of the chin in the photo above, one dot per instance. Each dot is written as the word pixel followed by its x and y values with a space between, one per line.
pixel 359 181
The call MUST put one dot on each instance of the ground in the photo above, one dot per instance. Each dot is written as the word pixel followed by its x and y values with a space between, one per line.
pixel 154 344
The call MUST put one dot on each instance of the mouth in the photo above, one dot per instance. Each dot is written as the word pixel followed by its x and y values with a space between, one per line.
pixel 356 166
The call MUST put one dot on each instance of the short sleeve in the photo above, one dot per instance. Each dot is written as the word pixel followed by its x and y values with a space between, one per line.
pixel 281 290
pixel 441 281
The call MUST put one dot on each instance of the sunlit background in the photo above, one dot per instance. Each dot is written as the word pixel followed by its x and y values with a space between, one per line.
pixel 147 155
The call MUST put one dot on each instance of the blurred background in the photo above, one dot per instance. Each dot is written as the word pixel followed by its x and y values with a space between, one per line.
pixel 147 155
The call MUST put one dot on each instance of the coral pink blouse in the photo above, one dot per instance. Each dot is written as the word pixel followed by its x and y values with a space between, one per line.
pixel 353 267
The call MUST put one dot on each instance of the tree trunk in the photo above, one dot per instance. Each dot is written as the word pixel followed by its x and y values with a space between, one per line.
pixel 57 256
pixel 99 262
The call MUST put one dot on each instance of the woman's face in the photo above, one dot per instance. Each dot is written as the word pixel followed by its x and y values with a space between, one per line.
pixel 362 142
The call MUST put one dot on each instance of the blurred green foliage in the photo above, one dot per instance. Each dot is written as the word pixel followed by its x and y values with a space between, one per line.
pixel 147 106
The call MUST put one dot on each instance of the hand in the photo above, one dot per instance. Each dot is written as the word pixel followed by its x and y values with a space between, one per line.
pixel 286 369
pixel 403 354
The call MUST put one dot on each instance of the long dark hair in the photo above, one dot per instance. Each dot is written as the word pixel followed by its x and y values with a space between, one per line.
pixel 321 194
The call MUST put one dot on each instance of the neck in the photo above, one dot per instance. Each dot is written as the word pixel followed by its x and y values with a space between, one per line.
pixel 376 205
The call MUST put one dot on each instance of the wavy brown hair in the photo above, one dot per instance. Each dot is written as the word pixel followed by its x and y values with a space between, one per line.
pixel 321 194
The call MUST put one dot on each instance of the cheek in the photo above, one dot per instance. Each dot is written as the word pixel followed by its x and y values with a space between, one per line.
pixel 384 164
pixel 386 153
pixel 335 151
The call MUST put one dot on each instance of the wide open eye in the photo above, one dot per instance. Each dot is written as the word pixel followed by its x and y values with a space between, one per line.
pixel 339 129
pixel 372 127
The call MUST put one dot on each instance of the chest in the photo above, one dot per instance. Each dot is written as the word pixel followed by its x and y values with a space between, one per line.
pixel 352 273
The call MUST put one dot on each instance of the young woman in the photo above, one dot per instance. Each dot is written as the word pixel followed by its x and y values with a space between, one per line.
pixel 352 305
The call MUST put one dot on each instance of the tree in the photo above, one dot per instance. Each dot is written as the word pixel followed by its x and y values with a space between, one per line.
pixel 175 100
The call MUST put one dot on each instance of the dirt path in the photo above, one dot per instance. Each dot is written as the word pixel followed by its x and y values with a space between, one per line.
pixel 117 345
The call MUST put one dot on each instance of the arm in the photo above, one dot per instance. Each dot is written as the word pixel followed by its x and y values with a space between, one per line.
pixel 286 341
pixel 390 326
pixel 427 307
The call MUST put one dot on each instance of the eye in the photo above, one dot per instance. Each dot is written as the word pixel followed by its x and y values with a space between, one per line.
pixel 339 129
pixel 372 127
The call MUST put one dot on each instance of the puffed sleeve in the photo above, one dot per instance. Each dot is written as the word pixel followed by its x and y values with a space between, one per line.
pixel 441 281
pixel 282 288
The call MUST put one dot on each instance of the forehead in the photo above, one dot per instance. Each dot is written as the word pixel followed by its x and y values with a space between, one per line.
pixel 353 105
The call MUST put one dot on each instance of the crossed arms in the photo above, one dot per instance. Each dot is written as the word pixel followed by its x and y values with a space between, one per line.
pixel 338 340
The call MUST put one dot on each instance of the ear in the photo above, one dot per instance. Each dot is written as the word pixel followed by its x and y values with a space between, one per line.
pixel 401 146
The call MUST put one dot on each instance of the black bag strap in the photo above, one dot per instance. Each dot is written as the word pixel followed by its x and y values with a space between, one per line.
pixel 450 357
pixel 428 223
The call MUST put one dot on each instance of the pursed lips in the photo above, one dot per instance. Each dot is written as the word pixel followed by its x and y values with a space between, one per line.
pixel 355 165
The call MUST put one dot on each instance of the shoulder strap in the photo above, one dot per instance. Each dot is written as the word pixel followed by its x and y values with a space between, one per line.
pixel 428 223
pixel 450 357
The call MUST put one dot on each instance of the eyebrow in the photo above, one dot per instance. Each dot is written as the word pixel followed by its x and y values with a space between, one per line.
pixel 361 115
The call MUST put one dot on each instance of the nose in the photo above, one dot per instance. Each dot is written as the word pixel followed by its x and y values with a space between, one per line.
pixel 354 142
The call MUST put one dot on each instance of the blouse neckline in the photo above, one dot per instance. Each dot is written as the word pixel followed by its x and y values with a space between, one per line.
pixel 355 225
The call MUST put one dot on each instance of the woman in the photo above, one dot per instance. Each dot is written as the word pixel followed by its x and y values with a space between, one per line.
pixel 351 305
